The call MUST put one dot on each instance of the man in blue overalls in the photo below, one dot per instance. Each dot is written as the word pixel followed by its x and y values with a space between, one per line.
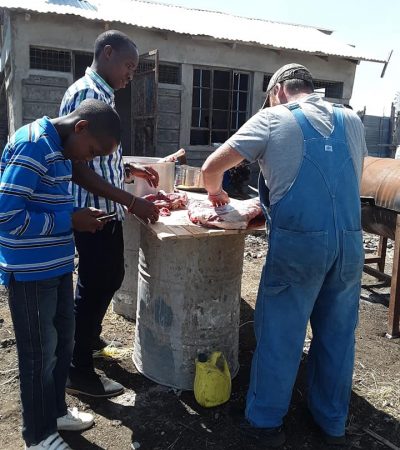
pixel 310 153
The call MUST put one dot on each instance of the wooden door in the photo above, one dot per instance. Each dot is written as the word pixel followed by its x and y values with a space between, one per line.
pixel 144 97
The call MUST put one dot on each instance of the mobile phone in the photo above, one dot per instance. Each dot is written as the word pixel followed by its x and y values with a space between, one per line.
pixel 108 216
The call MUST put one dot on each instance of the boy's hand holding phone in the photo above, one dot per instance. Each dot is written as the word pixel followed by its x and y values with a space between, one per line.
pixel 89 219
pixel 106 218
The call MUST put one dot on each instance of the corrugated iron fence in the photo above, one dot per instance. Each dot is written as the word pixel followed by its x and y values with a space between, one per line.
pixel 378 135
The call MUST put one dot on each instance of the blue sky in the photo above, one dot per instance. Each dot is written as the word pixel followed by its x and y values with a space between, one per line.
pixel 371 25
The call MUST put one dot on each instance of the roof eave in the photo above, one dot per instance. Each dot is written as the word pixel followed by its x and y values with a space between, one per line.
pixel 356 59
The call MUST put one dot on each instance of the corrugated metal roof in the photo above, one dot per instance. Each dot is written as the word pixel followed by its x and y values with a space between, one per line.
pixel 197 22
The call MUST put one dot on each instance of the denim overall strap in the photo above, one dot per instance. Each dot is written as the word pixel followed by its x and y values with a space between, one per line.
pixel 309 132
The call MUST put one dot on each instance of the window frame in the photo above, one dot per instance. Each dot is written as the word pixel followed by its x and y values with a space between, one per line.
pixel 62 69
pixel 211 109
pixel 164 65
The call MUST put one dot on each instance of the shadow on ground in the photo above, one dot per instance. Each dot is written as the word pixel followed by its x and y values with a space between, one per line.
pixel 377 292
pixel 163 419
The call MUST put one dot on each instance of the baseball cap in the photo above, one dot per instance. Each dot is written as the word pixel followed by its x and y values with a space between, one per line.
pixel 288 72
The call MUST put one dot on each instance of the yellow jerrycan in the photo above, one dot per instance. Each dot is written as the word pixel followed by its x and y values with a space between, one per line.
pixel 212 383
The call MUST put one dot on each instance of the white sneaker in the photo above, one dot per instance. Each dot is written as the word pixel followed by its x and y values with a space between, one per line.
pixel 53 442
pixel 75 420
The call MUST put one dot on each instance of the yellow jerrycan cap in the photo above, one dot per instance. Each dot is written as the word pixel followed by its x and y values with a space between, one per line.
pixel 212 382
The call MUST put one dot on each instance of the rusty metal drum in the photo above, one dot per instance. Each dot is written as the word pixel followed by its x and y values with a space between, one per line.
pixel 188 303
pixel 380 195
pixel 381 182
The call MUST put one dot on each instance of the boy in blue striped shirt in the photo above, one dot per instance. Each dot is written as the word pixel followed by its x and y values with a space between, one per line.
pixel 37 257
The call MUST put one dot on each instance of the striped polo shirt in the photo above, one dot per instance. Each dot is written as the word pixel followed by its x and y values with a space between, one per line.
pixel 109 167
pixel 36 240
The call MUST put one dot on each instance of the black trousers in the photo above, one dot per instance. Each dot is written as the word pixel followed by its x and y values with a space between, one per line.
pixel 100 275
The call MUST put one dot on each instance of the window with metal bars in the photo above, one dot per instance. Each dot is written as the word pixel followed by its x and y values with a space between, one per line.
pixel 50 59
pixel 333 89
pixel 219 104
pixel 169 73
pixel 145 65
pixel 267 77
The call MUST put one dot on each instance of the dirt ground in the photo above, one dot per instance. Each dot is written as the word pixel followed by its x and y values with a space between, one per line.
pixel 154 417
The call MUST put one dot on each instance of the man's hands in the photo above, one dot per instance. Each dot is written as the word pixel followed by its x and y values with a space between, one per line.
pixel 86 220
pixel 145 210
pixel 222 159
pixel 146 172
pixel 219 199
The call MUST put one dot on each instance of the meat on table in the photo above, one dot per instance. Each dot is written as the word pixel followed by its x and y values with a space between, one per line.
pixel 166 202
pixel 236 215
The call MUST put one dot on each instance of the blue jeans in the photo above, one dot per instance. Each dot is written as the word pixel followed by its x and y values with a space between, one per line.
pixel 43 316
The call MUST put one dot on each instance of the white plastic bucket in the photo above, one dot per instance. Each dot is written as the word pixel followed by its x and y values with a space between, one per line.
pixel 166 172
pixel 125 300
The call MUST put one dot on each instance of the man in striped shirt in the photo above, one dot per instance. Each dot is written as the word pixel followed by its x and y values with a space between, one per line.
pixel 100 184
pixel 37 257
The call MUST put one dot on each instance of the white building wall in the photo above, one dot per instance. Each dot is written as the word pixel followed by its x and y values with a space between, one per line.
pixel 74 33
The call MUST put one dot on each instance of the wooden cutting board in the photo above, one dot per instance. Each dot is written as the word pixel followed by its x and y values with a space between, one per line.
pixel 179 226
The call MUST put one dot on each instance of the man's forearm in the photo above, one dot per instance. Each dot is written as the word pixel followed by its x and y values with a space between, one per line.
pixel 83 175
pixel 224 158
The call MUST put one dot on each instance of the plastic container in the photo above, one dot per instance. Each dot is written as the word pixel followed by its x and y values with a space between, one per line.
pixel 125 300
pixel 166 172
pixel 212 383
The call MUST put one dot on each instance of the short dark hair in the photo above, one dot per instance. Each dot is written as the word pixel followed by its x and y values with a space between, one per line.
pixel 296 86
pixel 116 39
pixel 103 120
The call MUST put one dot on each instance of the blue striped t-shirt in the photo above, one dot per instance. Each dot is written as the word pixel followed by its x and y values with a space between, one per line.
pixel 36 239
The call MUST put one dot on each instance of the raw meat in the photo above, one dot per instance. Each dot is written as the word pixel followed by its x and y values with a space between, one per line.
pixel 167 202
pixel 164 211
pixel 234 216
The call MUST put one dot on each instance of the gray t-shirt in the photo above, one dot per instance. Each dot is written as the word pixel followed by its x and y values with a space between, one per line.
pixel 274 139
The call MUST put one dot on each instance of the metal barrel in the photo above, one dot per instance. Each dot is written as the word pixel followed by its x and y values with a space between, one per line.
pixel 381 182
pixel 125 299
pixel 378 221
pixel 188 303
pixel 380 196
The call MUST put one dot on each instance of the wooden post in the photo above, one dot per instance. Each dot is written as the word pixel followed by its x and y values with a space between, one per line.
pixel 394 302
pixel 379 258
